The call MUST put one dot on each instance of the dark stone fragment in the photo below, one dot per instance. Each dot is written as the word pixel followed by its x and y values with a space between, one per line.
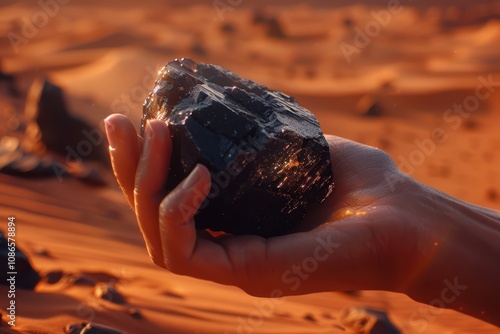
pixel 352 293
pixel 492 194
pixel 74 328
pixel 108 292
pixel 271 23
pixel 44 252
pixel 9 81
pixel 268 158
pixel 52 277
pixel 368 107
pixel 90 328
pixel 81 279
pixel 17 162
pixel 228 28
pixel 61 132
pixel 26 278
pixel 348 22
pixel 134 313
pixel 367 320
pixel 198 48
pixel 373 111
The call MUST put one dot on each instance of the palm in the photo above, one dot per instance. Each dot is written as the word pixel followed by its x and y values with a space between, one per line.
pixel 361 190
pixel 345 229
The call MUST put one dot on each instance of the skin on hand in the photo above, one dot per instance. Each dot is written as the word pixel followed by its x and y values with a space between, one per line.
pixel 379 232
pixel 357 250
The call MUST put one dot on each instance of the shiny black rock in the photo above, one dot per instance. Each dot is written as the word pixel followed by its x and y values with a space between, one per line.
pixel 268 158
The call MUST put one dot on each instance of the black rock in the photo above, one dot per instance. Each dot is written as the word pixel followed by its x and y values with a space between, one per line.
pixel 10 84
pixel 90 328
pixel 367 320
pixel 61 132
pixel 108 292
pixel 26 277
pixel 271 22
pixel 228 28
pixel 14 160
pixel 135 313
pixel 74 328
pixel 373 111
pixel 368 107
pixel 54 276
pixel 267 155
pixel 81 279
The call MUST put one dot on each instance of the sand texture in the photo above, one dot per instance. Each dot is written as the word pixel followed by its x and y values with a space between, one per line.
pixel 391 86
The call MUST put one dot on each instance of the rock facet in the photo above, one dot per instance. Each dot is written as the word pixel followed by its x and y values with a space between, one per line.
pixel 267 155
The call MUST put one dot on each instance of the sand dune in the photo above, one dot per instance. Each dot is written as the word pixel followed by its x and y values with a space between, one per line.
pixel 415 68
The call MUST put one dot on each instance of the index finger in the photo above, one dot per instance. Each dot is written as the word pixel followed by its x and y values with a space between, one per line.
pixel 124 151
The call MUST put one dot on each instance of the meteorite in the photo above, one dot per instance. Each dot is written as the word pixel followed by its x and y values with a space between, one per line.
pixel 268 158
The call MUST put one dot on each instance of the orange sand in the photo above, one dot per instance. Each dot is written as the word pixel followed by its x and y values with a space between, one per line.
pixel 417 67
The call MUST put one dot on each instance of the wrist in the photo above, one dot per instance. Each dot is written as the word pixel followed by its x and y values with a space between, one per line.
pixel 456 258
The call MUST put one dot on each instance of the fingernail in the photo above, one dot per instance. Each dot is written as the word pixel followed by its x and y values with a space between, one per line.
pixel 148 137
pixel 110 133
pixel 193 178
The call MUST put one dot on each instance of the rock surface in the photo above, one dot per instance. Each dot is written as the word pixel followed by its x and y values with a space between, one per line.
pixel 267 155
pixel 58 130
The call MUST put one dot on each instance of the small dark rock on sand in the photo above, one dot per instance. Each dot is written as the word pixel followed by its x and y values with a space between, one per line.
pixel 135 313
pixel 61 132
pixel 90 328
pixel 54 276
pixel 108 292
pixel 367 321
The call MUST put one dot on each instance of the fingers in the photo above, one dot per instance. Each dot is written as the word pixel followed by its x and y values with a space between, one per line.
pixel 151 175
pixel 184 252
pixel 357 166
pixel 124 150
pixel 177 210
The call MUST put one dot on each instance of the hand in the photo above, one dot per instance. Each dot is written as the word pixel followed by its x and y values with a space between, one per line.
pixel 363 244
pixel 380 229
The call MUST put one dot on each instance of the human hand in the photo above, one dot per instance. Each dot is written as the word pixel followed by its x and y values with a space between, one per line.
pixel 360 246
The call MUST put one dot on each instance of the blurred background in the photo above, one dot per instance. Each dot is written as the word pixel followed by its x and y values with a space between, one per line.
pixel 418 79
pixel 411 61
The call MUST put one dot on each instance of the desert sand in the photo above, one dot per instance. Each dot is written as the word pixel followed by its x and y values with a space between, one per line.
pixel 412 63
